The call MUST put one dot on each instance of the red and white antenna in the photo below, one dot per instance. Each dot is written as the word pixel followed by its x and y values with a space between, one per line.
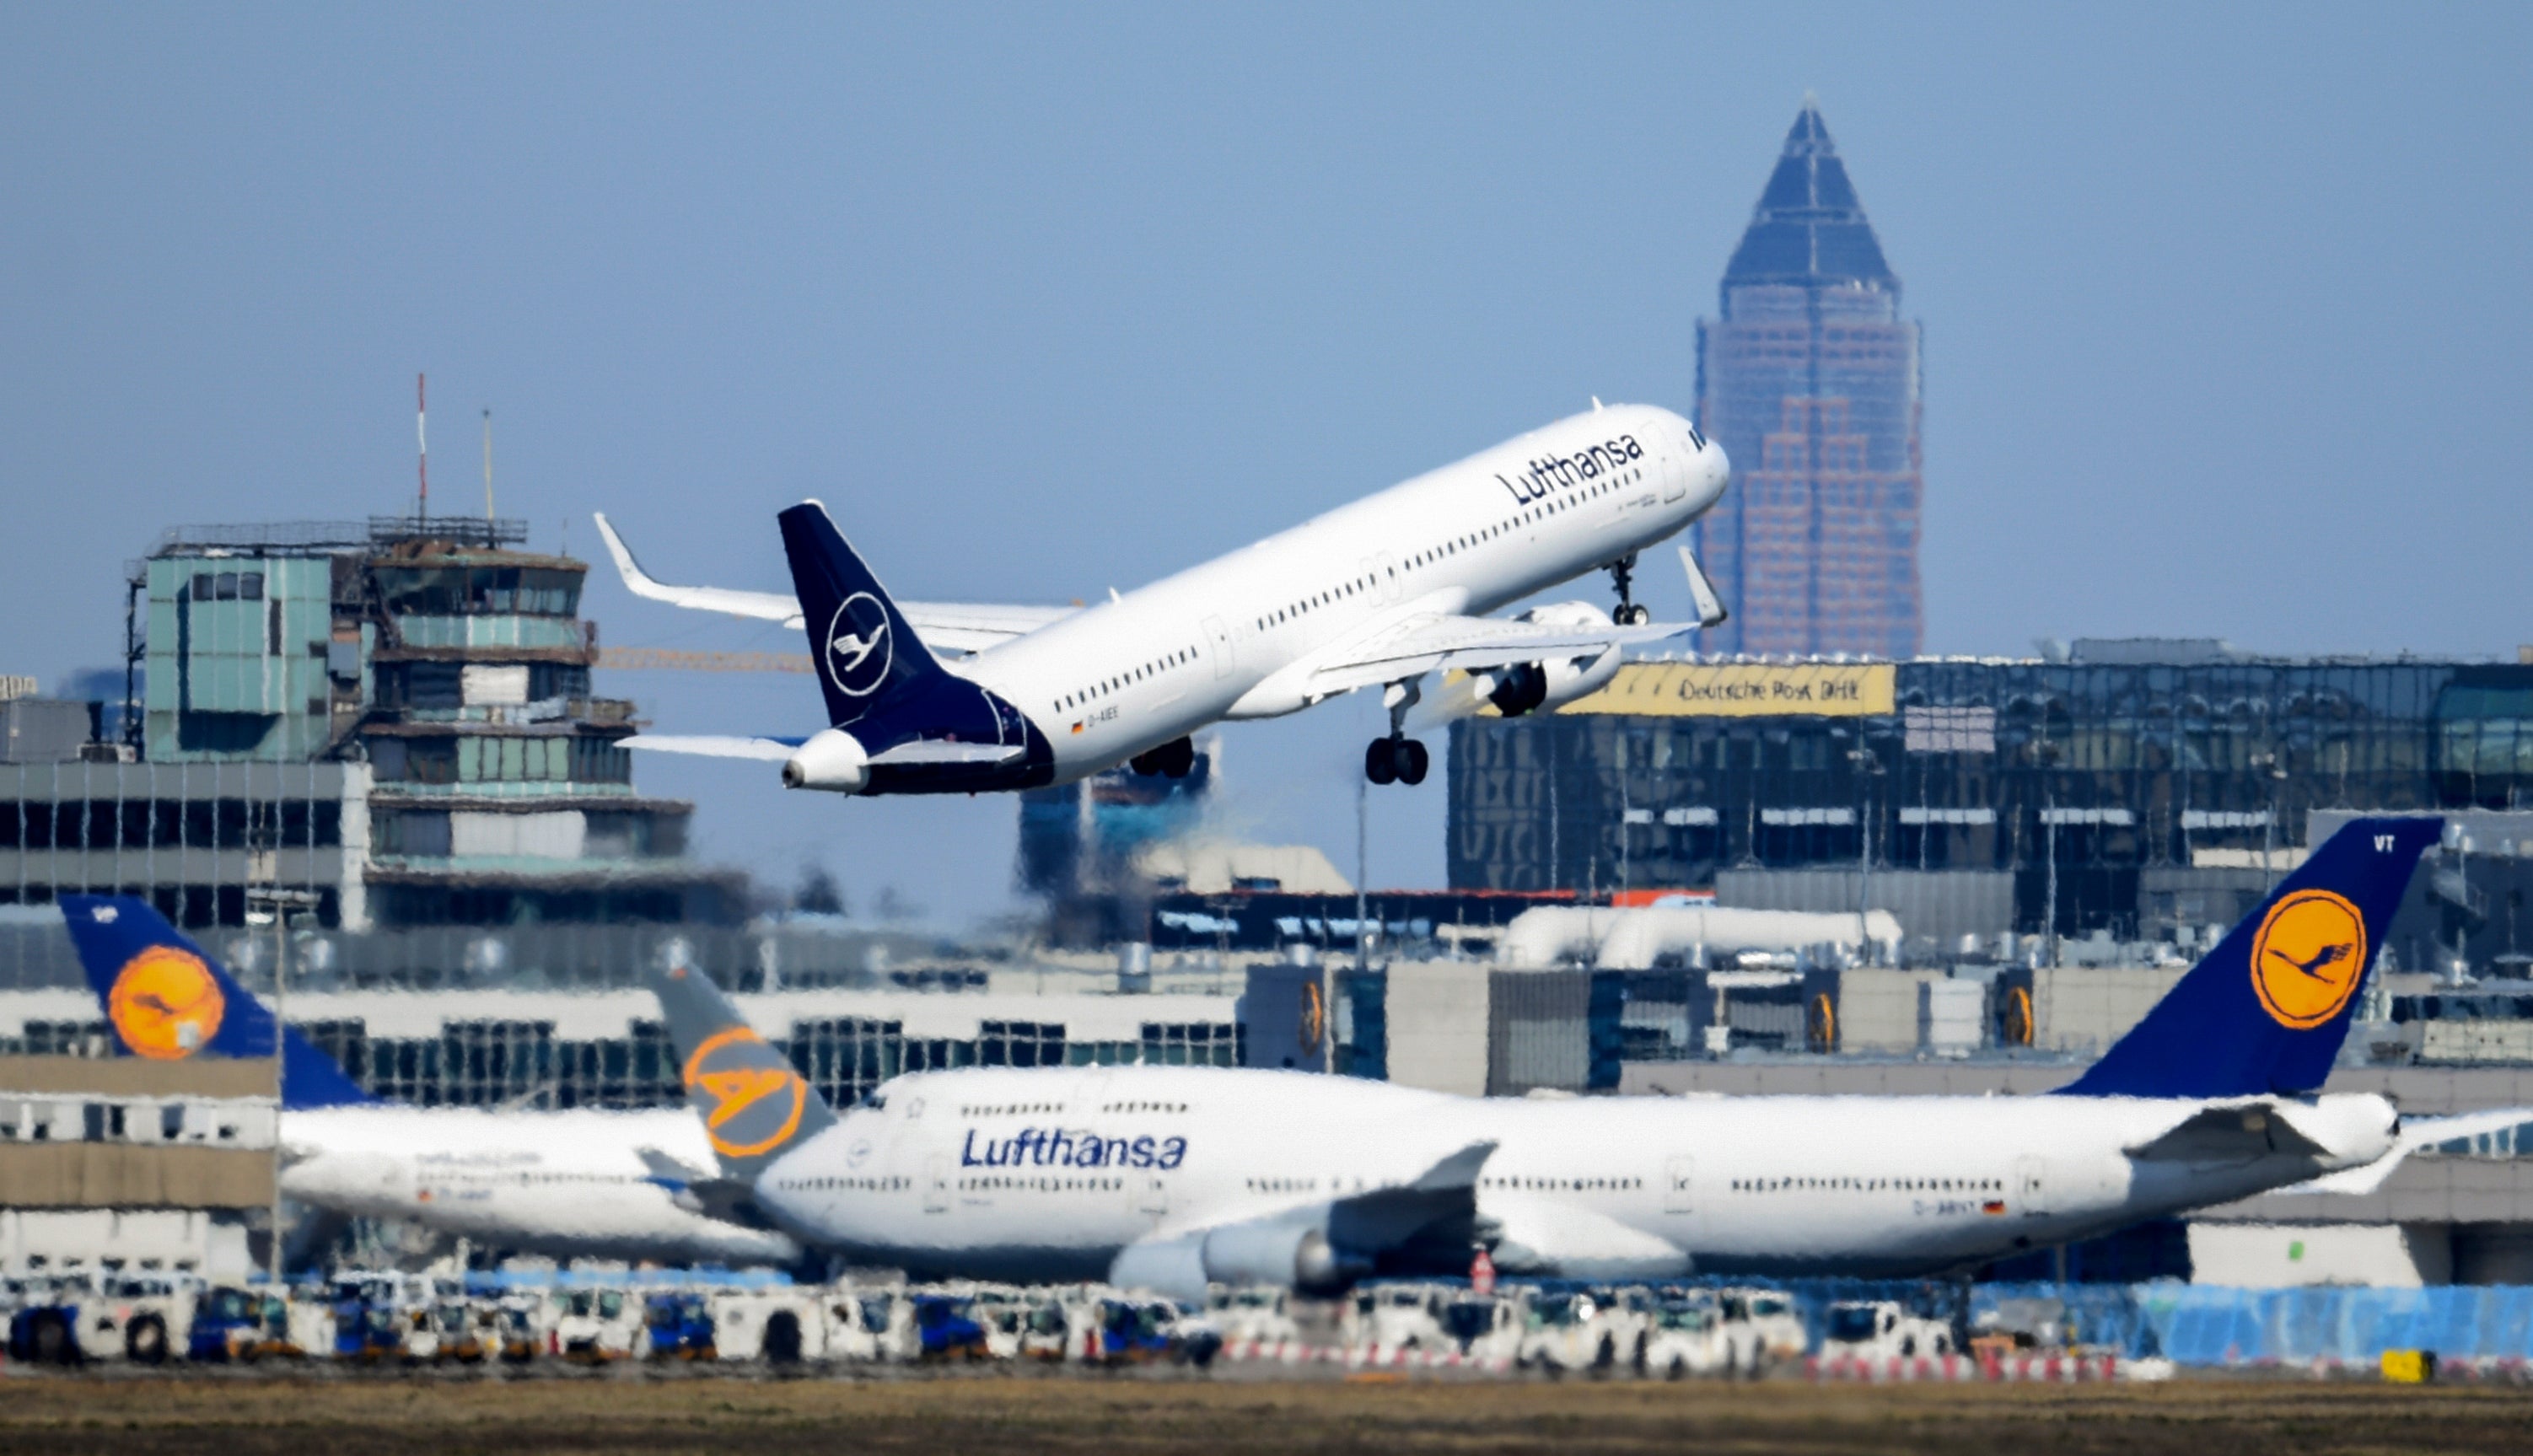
pixel 421 440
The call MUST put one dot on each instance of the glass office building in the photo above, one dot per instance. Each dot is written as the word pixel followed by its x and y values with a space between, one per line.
pixel 2090 778
pixel 1810 380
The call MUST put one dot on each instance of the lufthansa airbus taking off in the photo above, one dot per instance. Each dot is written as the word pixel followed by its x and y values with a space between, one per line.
pixel 1171 1178
pixel 1386 592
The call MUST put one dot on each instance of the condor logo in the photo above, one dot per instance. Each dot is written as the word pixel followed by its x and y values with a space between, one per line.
pixel 2307 956
pixel 165 1004
pixel 749 1106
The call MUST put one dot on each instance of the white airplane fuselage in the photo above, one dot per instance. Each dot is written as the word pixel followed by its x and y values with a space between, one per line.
pixel 567 1184
pixel 1049 1174
pixel 1235 637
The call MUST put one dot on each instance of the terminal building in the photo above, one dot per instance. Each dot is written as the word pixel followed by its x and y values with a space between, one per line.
pixel 393 717
pixel 2143 790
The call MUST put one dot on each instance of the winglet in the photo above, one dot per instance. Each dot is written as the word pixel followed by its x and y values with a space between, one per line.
pixel 636 580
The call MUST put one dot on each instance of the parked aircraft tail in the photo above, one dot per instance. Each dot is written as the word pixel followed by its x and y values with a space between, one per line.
pixel 867 654
pixel 2266 1011
pixel 168 999
pixel 755 1105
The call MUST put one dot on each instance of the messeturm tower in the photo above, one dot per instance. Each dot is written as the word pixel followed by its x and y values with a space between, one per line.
pixel 1811 381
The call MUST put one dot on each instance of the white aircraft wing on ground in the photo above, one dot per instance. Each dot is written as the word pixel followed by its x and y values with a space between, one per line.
pixel 944 626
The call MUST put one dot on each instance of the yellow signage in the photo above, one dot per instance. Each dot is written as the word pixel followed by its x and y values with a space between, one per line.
pixel 1746 690
pixel 2307 956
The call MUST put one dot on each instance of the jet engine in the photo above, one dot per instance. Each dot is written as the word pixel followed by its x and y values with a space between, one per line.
pixel 1525 688
pixel 1287 1253
pixel 832 760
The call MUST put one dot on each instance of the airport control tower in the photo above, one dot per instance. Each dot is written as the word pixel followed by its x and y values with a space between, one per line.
pixel 1811 381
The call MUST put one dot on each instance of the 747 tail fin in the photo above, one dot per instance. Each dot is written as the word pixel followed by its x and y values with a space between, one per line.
pixel 2266 1011
pixel 167 1001
pixel 755 1105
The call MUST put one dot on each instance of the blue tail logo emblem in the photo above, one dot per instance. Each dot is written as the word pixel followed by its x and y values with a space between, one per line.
pixel 2307 957
pixel 859 651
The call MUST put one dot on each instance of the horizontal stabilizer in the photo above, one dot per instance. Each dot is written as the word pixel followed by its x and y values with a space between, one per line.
pixel 2225 1135
pixel 2416 1133
pixel 928 751
pixel 716 745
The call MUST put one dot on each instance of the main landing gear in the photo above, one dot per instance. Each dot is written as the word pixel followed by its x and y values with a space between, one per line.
pixel 1622 573
pixel 1174 759
pixel 1395 760
pixel 1398 758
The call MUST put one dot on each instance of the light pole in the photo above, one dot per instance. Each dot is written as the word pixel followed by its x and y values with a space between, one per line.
pixel 280 905
pixel 1869 766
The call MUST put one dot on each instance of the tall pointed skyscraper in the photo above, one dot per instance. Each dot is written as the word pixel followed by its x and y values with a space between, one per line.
pixel 1810 383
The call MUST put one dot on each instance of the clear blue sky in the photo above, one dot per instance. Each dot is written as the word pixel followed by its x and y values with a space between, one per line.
pixel 2227 307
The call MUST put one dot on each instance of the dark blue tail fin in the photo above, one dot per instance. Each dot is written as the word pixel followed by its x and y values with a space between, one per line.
pixel 867 653
pixel 169 1001
pixel 2267 1011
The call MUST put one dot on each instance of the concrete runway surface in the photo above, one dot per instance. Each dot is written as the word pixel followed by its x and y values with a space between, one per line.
pixel 1009 1416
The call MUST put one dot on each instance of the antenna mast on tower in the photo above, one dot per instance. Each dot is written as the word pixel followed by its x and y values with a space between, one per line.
pixel 422 443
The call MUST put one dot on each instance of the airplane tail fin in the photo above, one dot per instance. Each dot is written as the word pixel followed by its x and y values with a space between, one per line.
pixel 866 653
pixel 756 1104
pixel 2266 1011
pixel 166 1000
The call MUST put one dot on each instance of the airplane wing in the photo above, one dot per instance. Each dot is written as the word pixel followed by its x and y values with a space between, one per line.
pixel 1333 1242
pixel 1424 644
pixel 944 626
pixel 2416 1133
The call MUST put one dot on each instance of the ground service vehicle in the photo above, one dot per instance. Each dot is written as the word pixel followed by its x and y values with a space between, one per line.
pixel 1880 1330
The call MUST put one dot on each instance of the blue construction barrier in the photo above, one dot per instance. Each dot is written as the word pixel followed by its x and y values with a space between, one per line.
pixel 2207 1325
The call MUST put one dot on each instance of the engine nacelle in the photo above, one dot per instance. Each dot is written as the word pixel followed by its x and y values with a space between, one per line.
pixel 1526 687
pixel 1295 1257
pixel 832 760
pixel 1287 1255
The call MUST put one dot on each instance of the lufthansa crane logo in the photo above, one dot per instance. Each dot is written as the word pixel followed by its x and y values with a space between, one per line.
pixel 750 1107
pixel 858 651
pixel 167 1004
pixel 2307 956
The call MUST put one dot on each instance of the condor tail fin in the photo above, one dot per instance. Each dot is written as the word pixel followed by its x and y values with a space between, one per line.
pixel 756 1104
pixel 2266 1011
pixel 168 999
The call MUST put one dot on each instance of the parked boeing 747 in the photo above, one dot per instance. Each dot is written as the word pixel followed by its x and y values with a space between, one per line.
pixel 1174 1176
pixel 1389 592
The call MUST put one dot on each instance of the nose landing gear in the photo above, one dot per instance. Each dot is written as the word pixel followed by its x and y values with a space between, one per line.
pixel 1395 760
pixel 1622 573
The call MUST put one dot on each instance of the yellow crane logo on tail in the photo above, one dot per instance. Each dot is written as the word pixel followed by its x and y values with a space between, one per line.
pixel 165 1004
pixel 2307 957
